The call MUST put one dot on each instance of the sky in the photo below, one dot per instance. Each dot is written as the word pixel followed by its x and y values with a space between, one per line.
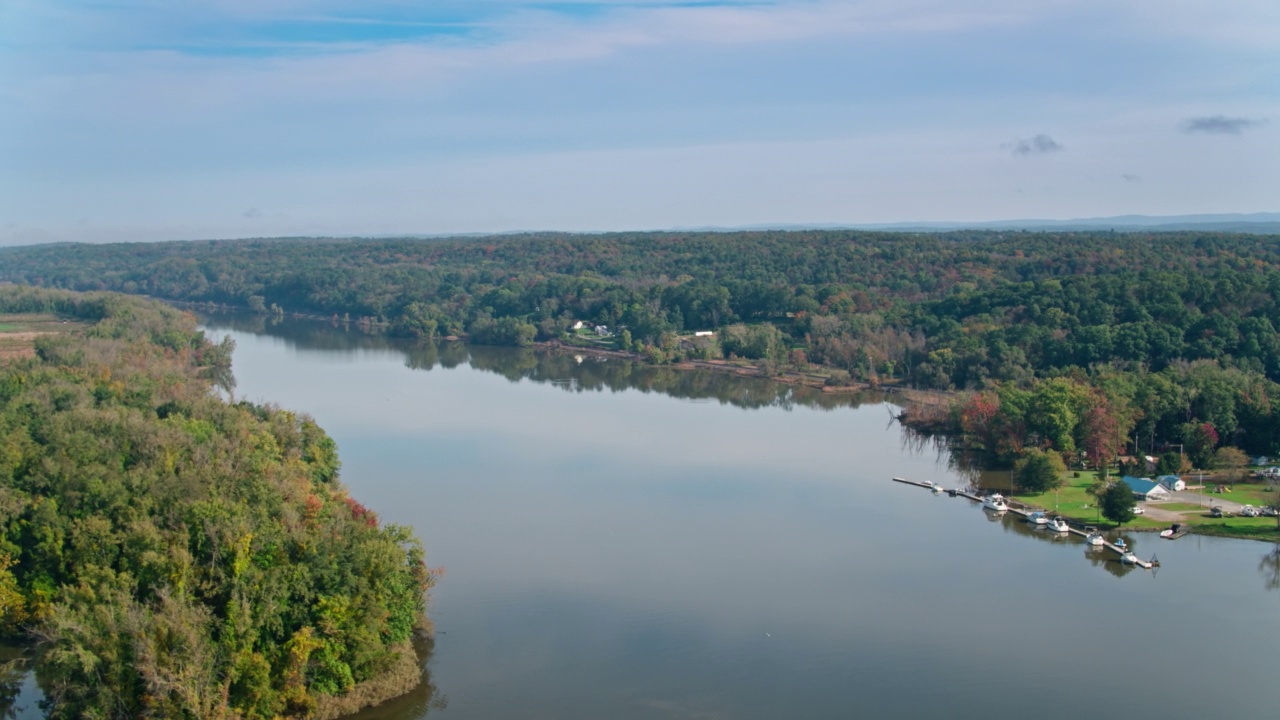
pixel 139 120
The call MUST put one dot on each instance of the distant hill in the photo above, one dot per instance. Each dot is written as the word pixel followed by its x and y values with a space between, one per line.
pixel 1261 223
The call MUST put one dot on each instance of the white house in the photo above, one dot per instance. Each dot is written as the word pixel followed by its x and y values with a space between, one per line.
pixel 578 325
pixel 1172 483
pixel 704 333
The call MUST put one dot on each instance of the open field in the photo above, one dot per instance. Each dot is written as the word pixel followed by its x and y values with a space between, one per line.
pixel 1074 502
pixel 18 333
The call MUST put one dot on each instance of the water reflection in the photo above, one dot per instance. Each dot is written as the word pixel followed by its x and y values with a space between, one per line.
pixel 1269 568
pixel 571 372
pixel 423 700
pixel 613 553
pixel 18 697
pixel 1014 524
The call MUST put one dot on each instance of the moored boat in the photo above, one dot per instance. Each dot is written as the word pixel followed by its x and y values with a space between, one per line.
pixel 1038 519
pixel 994 501
pixel 1093 537
pixel 1057 524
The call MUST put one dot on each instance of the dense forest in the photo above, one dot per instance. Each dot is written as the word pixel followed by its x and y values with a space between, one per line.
pixel 178 555
pixel 1168 338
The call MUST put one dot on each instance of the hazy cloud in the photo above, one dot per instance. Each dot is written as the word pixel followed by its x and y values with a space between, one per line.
pixel 1219 125
pixel 1130 177
pixel 253 213
pixel 1038 145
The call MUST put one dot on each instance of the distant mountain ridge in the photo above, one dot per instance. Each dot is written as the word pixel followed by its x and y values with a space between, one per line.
pixel 1261 223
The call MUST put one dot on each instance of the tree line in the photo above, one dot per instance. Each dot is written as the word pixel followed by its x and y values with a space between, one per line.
pixel 1174 330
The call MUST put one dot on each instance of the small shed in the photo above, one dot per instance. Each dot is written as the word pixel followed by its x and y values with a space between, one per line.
pixel 1172 483
pixel 1261 461
pixel 1145 488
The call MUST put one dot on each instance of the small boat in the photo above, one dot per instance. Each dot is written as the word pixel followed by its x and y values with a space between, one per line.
pixel 1057 524
pixel 1169 532
pixel 995 501
pixel 1093 537
pixel 1038 519
pixel 1128 558
pixel 1121 546
pixel 937 489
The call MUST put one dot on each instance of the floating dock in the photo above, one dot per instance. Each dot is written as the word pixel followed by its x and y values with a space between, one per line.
pixel 956 492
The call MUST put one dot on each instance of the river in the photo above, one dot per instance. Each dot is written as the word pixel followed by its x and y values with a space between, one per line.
pixel 634 543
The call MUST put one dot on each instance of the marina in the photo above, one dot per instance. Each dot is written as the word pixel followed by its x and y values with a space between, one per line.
pixel 998 503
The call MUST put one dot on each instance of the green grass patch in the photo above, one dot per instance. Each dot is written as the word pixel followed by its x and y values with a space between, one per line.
pixel 1259 528
pixel 1250 494
pixel 1074 502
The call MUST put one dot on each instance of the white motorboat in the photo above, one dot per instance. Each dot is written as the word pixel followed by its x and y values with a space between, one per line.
pixel 937 489
pixel 1057 524
pixel 1038 519
pixel 1128 558
pixel 1093 537
pixel 1169 532
pixel 994 501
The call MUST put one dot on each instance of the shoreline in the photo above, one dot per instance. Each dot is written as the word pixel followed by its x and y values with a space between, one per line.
pixel 814 380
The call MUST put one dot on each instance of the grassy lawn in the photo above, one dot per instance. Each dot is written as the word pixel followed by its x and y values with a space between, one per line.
pixel 1074 502
pixel 1259 528
pixel 1251 494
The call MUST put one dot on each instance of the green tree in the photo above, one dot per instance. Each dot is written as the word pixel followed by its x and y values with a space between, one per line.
pixel 1170 464
pixel 1231 461
pixel 1039 470
pixel 1118 503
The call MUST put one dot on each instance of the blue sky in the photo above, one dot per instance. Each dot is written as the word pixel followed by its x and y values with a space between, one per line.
pixel 145 120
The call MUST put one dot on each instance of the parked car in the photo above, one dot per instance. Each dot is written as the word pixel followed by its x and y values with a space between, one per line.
pixel 1270 511
pixel 1217 511
pixel 1139 510
pixel 1250 511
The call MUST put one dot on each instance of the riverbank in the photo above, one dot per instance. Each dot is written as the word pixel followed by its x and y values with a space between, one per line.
pixel 1073 501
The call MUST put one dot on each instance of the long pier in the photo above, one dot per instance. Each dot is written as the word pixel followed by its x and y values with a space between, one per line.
pixel 958 492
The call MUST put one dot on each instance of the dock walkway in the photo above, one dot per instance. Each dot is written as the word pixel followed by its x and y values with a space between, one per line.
pixel 958 492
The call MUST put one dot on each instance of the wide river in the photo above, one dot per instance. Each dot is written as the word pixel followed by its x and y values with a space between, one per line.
pixel 624 542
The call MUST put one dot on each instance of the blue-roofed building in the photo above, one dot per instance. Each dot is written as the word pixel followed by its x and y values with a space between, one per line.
pixel 1172 483
pixel 1145 488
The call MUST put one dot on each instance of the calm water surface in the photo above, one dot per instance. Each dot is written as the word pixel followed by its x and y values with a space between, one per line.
pixel 622 542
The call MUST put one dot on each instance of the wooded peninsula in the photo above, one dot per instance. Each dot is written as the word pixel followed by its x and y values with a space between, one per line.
pixel 179 555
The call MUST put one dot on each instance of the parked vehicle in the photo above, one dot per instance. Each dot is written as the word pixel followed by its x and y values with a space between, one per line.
pixel 1218 512
pixel 1250 511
